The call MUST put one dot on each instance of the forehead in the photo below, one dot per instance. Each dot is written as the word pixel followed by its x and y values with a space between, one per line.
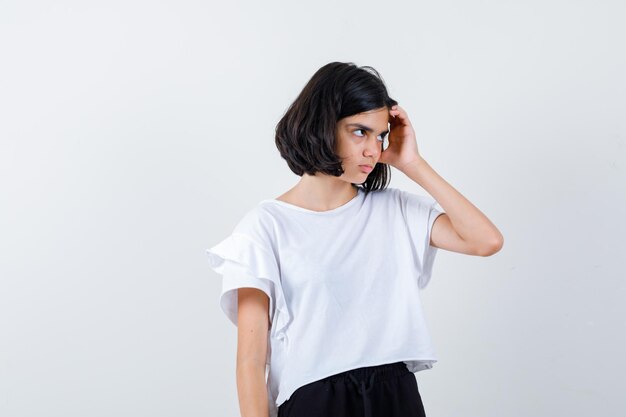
pixel 374 117
pixel 381 114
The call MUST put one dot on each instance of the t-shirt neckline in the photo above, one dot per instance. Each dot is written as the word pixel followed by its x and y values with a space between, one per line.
pixel 342 207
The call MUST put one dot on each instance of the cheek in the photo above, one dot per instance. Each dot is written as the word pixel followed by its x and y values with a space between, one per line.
pixel 347 155
pixel 343 150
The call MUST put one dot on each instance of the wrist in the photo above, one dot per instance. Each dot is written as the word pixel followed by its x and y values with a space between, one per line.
pixel 413 164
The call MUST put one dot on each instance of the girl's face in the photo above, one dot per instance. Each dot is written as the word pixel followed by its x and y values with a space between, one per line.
pixel 359 141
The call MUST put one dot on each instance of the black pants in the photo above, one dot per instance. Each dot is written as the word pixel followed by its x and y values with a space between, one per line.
pixel 388 390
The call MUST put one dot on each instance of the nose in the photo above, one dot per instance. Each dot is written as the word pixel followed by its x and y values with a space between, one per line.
pixel 372 148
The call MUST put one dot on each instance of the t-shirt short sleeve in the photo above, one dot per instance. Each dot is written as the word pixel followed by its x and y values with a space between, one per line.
pixel 420 213
pixel 245 262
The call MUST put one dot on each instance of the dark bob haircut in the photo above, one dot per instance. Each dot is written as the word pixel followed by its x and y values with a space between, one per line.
pixel 305 135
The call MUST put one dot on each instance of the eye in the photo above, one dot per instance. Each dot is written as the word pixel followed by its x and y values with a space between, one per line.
pixel 381 137
pixel 359 130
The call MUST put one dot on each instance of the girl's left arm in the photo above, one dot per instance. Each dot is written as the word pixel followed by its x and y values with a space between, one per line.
pixel 462 228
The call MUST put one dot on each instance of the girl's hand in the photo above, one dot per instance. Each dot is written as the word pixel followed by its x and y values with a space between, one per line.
pixel 402 147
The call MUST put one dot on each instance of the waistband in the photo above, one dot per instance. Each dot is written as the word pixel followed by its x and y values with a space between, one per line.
pixel 363 379
pixel 366 373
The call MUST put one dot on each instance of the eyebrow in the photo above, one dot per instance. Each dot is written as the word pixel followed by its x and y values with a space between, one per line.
pixel 366 128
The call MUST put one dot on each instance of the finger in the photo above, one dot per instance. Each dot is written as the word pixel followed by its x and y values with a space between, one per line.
pixel 397 117
pixel 401 116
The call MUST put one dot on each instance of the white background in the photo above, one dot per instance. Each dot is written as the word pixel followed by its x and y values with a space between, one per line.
pixel 135 134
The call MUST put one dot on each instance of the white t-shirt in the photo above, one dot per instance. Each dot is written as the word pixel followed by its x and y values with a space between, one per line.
pixel 343 284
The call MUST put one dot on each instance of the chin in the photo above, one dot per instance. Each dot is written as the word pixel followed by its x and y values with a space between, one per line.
pixel 360 179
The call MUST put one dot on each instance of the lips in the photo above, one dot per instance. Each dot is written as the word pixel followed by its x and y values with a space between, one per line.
pixel 366 168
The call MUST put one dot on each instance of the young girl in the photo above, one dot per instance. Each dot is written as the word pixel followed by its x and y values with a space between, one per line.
pixel 323 281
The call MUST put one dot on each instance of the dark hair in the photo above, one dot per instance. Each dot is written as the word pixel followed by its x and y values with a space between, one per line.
pixel 305 135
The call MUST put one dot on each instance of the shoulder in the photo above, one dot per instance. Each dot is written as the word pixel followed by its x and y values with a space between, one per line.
pixel 410 198
pixel 386 194
pixel 407 202
pixel 257 224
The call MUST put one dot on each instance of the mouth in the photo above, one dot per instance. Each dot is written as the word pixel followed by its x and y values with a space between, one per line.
pixel 366 168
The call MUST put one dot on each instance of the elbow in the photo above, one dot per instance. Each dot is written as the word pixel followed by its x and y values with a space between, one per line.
pixel 492 247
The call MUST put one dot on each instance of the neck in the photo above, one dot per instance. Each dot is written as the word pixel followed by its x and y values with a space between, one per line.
pixel 323 192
